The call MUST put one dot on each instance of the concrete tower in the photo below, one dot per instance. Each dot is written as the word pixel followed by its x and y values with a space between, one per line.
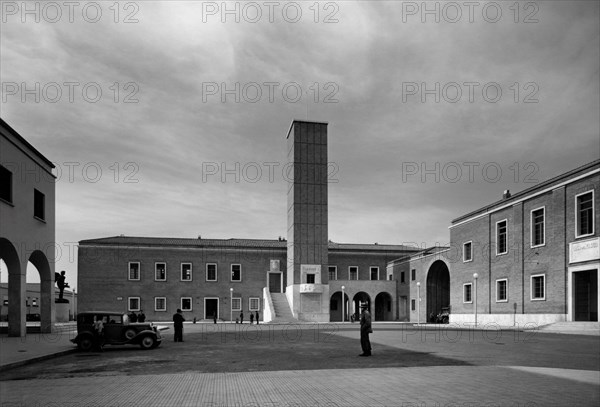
pixel 307 251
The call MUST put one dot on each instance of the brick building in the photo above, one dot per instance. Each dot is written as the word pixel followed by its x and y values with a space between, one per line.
pixel 224 276
pixel 532 257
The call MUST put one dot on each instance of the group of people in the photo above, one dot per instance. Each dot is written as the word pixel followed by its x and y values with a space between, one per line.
pixel 252 317
pixel 141 317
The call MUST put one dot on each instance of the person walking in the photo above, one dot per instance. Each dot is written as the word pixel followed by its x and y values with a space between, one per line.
pixel 215 317
pixel 256 317
pixel 251 318
pixel 242 317
pixel 99 332
pixel 178 325
pixel 365 330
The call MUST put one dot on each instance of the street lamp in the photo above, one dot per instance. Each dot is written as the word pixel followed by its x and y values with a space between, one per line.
pixel 73 304
pixel 418 303
pixel 231 304
pixel 475 275
pixel 343 304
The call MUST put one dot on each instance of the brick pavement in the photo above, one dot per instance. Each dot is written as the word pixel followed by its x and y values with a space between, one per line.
pixel 421 386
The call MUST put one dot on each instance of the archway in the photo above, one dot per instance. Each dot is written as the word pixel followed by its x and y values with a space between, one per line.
pixel 15 290
pixel 360 299
pixel 335 307
pixel 40 262
pixel 438 289
pixel 383 307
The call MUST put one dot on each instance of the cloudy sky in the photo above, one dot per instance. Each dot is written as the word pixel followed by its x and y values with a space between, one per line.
pixel 169 118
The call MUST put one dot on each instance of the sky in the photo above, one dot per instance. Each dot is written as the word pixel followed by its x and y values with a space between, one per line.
pixel 169 118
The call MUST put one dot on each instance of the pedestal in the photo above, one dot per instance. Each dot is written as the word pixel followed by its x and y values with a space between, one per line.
pixel 62 311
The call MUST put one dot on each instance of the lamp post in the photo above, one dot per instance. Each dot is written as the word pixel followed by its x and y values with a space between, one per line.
pixel 73 304
pixel 231 304
pixel 475 275
pixel 343 304
pixel 419 303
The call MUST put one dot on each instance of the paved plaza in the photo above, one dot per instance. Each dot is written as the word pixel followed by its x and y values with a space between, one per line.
pixel 317 365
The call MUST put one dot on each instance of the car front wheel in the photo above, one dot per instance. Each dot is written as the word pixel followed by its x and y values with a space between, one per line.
pixel 147 342
pixel 86 343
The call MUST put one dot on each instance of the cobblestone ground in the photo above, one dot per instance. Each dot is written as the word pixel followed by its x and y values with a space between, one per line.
pixel 319 366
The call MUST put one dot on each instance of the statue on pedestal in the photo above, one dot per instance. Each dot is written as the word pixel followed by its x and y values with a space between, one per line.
pixel 59 279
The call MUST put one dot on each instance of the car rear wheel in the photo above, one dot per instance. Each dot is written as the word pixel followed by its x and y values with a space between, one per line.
pixel 86 343
pixel 147 342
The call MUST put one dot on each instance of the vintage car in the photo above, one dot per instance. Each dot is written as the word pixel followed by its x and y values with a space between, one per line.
pixel 118 330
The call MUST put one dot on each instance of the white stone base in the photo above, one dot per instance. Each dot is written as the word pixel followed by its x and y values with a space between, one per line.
pixel 518 320
pixel 62 311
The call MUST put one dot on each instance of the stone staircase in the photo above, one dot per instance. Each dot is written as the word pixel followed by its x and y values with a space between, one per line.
pixel 283 313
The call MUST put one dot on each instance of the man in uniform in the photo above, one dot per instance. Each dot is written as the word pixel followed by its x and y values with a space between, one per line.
pixel 365 330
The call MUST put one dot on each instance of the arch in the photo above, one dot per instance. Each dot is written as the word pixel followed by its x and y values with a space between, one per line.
pixel 16 289
pixel 335 307
pixel 438 288
pixel 384 310
pixel 359 299
pixel 40 261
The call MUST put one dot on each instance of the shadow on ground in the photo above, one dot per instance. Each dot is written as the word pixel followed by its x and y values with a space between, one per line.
pixel 269 349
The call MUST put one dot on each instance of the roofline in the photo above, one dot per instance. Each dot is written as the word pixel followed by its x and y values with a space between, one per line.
pixel 526 194
pixel 27 144
pixel 406 259
pixel 303 121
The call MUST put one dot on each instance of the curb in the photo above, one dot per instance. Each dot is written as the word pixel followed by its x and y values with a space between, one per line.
pixel 36 359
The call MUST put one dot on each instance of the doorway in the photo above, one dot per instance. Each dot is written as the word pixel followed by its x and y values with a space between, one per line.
pixel 211 307
pixel 585 295
pixel 275 285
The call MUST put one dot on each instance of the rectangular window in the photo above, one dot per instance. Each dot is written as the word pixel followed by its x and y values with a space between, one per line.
pixel 5 184
pixel 412 305
pixel 332 273
pixel 211 272
pixel 34 302
pixel 39 205
pixel 236 304
pixel 374 273
pixel 538 287
pixel 134 270
pixel 467 298
pixel 402 277
pixel 254 304
pixel 538 233
pixel 310 278
pixel 186 303
pixel 390 277
pixel 186 271
pixel 501 237
pixel 160 271
pixel 584 215
pixel 160 303
pixel 467 251
pixel 133 303
pixel 413 274
pixel 502 290
pixel 353 271
pixel 236 272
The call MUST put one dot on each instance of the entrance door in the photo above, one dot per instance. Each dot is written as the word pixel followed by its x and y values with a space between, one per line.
pixel 585 301
pixel 211 307
pixel 274 282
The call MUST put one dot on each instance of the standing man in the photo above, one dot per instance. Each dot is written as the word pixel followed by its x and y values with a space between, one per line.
pixel 365 330
pixel 178 325
pixel 256 317
pixel 242 317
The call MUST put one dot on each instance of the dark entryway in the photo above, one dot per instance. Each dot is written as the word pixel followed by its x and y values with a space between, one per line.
pixel 383 307
pixel 438 289
pixel 585 295
pixel 211 307
pixel 275 282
